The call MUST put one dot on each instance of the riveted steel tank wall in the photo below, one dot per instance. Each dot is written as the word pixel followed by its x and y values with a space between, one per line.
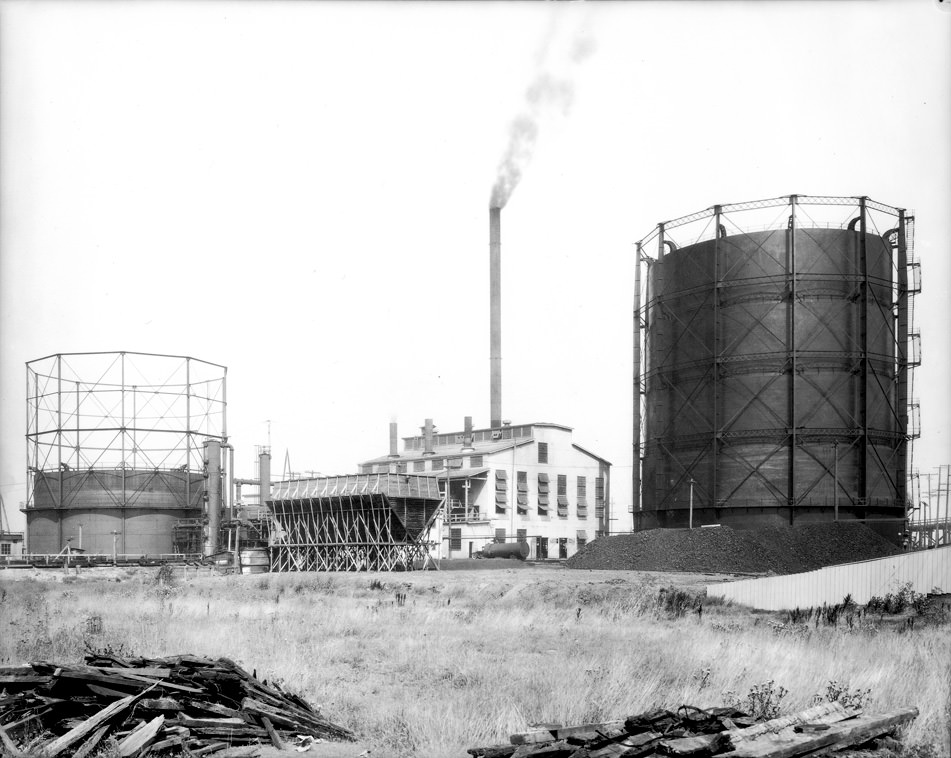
pixel 141 506
pixel 770 376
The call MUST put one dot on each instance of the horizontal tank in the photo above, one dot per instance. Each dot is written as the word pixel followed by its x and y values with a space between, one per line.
pixel 774 374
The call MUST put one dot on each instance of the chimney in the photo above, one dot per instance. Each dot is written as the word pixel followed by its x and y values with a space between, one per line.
pixel 264 475
pixel 394 453
pixel 467 435
pixel 428 437
pixel 495 317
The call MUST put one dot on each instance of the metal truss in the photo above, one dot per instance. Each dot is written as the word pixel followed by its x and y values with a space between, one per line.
pixel 106 415
pixel 350 532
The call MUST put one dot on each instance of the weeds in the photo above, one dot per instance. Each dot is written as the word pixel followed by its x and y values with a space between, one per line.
pixel 839 692
pixel 762 702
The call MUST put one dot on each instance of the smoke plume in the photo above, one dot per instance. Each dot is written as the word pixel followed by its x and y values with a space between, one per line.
pixel 546 96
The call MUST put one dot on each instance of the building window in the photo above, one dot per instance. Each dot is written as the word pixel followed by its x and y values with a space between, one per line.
pixel 501 491
pixel 582 538
pixel 455 539
pixel 543 452
pixel 475 461
pixel 521 535
pixel 562 547
pixel 419 465
pixel 521 486
pixel 4 548
pixel 543 493
pixel 563 495
pixel 401 468
pixel 438 464
pixel 582 497
pixel 599 496
pixel 500 535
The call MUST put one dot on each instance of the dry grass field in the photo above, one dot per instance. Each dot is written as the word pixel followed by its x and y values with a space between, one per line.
pixel 472 656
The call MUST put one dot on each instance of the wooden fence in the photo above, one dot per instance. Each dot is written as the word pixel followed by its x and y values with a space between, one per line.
pixel 925 570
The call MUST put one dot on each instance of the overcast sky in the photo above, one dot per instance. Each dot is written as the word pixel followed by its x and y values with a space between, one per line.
pixel 299 191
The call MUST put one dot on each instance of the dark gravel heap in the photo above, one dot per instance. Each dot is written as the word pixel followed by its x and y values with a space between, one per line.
pixel 722 550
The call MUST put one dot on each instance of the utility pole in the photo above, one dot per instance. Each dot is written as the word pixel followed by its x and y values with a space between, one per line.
pixel 692 482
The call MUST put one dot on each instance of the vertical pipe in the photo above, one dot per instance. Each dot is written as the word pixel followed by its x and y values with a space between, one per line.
pixel 212 455
pixel 264 476
pixel 122 431
pixel 791 356
pixel 835 478
pixel 715 428
pixel 59 444
pixel 495 317
pixel 864 347
pixel 188 433
pixel 901 364
pixel 638 379
pixel 78 426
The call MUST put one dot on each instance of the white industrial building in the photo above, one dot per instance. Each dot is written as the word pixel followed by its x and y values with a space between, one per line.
pixel 527 483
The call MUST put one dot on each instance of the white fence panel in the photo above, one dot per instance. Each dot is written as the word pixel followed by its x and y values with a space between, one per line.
pixel 924 570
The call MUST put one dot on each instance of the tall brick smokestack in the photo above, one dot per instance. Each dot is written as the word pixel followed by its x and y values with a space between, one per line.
pixel 495 317
pixel 394 448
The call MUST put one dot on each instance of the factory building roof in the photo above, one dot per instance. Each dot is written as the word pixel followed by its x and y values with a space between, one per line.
pixel 391 485
pixel 484 442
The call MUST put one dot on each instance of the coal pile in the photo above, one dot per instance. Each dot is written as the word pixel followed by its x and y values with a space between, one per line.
pixel 182 704
pixel 722 550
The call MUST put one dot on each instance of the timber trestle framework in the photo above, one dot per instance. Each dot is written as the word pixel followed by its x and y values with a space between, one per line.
pixel 773 361
pixel 375 522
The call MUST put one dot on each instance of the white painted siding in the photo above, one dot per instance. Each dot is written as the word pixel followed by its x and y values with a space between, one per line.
pixel 925 570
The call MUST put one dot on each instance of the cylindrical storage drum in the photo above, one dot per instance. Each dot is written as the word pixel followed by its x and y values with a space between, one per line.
pixel 775 367
pixel 255 561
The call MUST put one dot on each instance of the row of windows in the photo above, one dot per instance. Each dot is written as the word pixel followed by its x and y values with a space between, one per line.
pixel 435 464
pixel 544 502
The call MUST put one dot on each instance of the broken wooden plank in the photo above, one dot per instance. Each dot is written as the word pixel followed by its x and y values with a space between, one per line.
pixel 272 733
pixel 787 743
pixel 630 747
pixel 584 731
pixel 55 747
pixel 165 744
pixel 90 744
pixel 191 723
pixel 140 737
pixel 298 719
pixel 160 704
pixel 211 747
pixel 492 751
pixel 8 745
pixel 702 745
pixel 825 713
pixel 105 691
pixel 152 671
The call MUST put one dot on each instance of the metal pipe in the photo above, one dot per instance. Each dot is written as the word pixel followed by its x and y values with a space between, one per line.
pixel 636 462
pixel 495 317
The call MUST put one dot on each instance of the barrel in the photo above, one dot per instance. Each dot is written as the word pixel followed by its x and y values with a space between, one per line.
pixel 518 550
pixel 255 561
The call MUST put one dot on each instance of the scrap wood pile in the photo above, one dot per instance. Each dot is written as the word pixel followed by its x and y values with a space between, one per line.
pixel 714 732
pixel 184 704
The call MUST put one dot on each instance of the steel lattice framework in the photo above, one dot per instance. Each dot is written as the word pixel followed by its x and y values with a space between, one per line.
pixel 773 357
pixel 115 443
pixel 374 522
